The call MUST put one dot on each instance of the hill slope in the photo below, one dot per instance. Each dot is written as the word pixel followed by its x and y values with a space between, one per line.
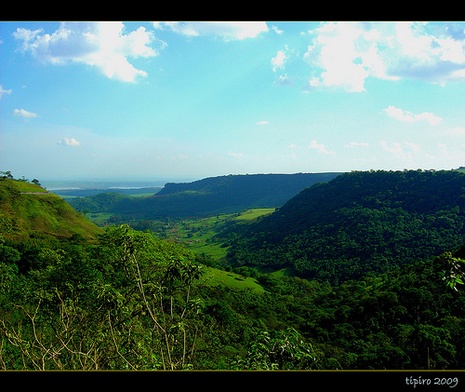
pixel 359 222
pixel 210 196
pixel 27 209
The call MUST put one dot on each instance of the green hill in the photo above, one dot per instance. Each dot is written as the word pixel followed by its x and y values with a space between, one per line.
pixel 28 209
pixel 130 298
pixel 357 223
pixel 206 197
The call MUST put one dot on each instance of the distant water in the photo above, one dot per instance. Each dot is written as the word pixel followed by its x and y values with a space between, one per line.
pixel 114 185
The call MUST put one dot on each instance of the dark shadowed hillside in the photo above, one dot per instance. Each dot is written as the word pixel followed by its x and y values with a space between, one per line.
pixel 215 195
pixel 359 222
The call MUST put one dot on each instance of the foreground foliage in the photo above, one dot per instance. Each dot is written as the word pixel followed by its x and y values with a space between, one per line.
pixel 136 302
pixel 125 304
pixel 132 302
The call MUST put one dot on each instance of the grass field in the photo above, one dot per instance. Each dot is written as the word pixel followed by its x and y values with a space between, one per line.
pixel 254 214
pixel 198 234
pixel 215 277
pixel 26 187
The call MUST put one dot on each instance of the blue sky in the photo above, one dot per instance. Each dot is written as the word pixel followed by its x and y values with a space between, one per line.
pixel 189 100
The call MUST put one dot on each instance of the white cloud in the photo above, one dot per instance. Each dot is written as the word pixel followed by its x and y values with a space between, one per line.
pixel 343 55
pixel 401 150
pixel 263 122
pixel 229 31
pixel 356 144
pixel 284 80
pixel 279 60
pixel 406 116
pixel 3 91
pixel 321 148
pixel 458 131
pixel 340 63
pixel 103 45
pixel 24 113
pixel 276 30
pixel 72 142
pixel 236 154
pixel 414 148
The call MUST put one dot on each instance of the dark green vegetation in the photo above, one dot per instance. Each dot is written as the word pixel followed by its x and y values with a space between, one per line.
pixel 229 292
pixel 210 196
pixel 359 222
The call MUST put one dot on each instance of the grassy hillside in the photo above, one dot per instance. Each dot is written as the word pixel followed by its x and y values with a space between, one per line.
pixel 27 209
pixel 217 277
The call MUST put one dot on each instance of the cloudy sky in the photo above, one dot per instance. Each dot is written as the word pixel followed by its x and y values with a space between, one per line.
pixel 189 100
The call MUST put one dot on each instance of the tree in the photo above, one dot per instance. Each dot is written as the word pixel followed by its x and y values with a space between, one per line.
pixel 280 350
pixel 126 303
pixel 6 175
pixel 154 285
pixel 455 271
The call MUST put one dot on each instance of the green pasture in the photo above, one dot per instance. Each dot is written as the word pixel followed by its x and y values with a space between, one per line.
pixel 216 277
pixel 198 234
pixel 25 187
pixel 254 213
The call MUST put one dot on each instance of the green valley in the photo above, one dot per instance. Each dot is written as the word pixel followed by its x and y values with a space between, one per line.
pixel 360 272
pixel 202 235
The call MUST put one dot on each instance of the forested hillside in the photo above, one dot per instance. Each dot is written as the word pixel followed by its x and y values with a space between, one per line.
pixel 209 196
pixel 357 223
pixel 124 299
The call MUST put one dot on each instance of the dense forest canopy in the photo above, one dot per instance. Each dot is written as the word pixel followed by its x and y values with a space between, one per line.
pixel 357 223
